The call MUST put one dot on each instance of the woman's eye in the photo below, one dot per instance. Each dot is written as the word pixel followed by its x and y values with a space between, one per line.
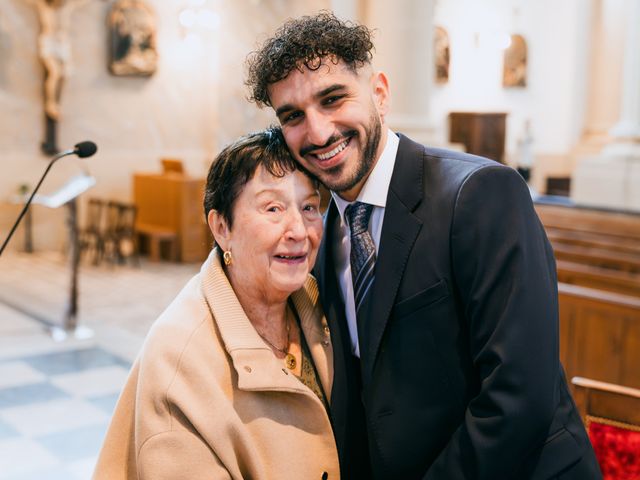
pixel 273 209
pixel 310 208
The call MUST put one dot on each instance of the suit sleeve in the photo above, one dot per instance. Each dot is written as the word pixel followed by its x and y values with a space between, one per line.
pixel 505 274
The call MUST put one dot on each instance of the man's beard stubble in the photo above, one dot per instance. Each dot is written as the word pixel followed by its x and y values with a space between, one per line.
pixel 366 161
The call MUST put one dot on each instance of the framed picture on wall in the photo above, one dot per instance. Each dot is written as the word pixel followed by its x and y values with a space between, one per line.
pixel 132 32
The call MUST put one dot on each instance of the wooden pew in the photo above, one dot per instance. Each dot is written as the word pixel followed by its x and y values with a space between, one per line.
pixel 593 240
pixel 615 225
pixel 606 400
pixel 598 257
pixel 611 414
pixel 597 277
pixel 600 335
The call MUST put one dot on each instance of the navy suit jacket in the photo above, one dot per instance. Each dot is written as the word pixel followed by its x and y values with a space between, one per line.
pixel 459 369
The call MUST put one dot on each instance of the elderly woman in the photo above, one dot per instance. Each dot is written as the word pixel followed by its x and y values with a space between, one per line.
pixel 234 377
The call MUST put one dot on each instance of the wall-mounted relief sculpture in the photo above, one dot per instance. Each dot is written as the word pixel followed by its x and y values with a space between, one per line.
pixel 515 63
pixel 441 48
pixel 132 28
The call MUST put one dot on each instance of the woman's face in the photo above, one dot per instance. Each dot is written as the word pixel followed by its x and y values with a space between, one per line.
pixel 275 236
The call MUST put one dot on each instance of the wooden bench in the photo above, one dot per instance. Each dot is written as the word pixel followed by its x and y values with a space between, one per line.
pixel 600 335
pixel 614 224
pixel 157 236
pixel 599 257
pixel 607 400
pixel 611 414
pixel 600 278
pixel 593 240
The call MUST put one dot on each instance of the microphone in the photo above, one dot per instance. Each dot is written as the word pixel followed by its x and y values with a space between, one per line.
pixel 83 150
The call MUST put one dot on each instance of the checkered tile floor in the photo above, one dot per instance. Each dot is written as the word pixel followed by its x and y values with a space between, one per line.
pixel 54 411
pixel 56 398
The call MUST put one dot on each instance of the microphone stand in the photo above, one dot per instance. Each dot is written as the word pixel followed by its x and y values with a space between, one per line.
pixel 33 194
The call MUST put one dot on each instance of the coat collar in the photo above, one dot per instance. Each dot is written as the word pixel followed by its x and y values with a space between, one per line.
pixel 253 360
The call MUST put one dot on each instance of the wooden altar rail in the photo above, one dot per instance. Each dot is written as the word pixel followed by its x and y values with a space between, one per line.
pixel 600 335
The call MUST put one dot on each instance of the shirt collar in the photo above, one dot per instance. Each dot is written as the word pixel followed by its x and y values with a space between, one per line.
pixel 375 189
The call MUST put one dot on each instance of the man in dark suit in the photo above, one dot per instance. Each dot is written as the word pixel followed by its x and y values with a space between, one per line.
pixel 436 276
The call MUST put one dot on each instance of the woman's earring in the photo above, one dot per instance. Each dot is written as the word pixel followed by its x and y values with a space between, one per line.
pixel 226 256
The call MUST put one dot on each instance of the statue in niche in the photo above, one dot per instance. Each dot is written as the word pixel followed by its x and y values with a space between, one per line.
pixel 442 51
pixel 54 50
pixel 132 27
pixel 525 157
pixel 515 63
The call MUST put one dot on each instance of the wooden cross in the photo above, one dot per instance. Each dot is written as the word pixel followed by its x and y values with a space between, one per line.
pixel 54 50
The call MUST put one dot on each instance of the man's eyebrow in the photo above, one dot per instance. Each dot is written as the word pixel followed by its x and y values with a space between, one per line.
pixel 284 108
pixel 322 93
pixel 329 90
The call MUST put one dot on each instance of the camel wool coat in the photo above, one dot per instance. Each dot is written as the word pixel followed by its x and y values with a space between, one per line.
pixel 208 399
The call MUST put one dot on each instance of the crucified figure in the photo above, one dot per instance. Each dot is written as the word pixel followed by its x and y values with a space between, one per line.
pixel 54 48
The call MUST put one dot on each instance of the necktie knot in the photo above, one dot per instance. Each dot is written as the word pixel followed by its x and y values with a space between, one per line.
pixel 358 214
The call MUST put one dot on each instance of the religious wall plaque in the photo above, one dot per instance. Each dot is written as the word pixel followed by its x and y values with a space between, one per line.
pixel 441 47
pixel 132 30
pixel 515 63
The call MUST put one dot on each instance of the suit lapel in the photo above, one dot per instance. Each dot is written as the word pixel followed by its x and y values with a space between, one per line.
pixel 333 306
pixel 399 232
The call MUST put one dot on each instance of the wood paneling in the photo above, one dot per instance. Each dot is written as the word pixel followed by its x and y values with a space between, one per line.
pixel 481 133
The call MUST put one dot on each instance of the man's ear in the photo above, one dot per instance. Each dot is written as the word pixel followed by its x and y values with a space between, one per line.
pixel 381 94
pixel 220 229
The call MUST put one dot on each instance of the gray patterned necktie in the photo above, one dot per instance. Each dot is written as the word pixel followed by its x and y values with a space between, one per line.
pixel 363 251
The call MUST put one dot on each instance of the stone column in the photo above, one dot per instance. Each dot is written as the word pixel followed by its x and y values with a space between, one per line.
pixel 612 178
pixel 627 130
pixel 404 51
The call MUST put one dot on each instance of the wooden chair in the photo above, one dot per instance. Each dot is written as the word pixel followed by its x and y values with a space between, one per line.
pixel 120 241
pixel 91 235
pixel 612 416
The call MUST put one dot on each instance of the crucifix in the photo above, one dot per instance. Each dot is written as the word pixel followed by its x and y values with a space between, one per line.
pixel 54 50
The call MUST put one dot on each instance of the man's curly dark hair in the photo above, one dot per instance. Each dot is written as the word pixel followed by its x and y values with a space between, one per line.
pixel 306 42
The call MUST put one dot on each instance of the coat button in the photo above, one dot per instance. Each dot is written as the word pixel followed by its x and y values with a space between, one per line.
pixel 325 475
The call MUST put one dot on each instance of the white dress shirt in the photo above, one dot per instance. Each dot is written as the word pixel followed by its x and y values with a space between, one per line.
pixel 373 192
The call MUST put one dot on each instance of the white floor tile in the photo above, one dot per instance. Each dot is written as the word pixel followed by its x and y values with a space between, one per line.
pixel 92 383
pixel 22 456
pixel 56 416
pixel 13 374
pixel 13 346
pixel 82 469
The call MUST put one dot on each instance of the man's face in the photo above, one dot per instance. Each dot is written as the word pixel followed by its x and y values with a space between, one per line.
pixel 332 119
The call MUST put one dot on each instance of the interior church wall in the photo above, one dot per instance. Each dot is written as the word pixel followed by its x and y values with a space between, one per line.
pixel 193 104
pixel 554 99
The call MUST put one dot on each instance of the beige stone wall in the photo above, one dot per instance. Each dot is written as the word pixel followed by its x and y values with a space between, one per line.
pixel 192 106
